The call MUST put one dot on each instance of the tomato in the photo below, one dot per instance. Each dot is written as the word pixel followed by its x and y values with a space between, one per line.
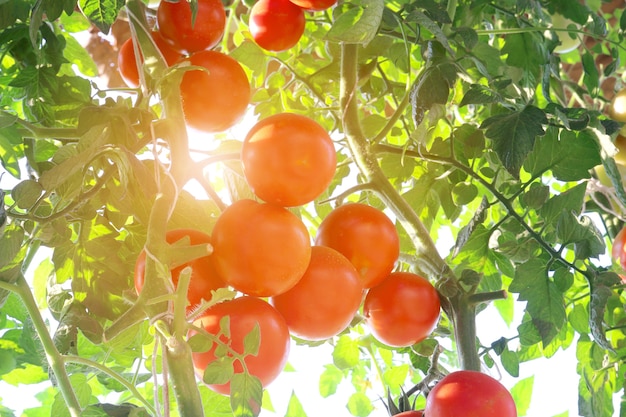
pixel 314 4
pixel 469 394
pixel 324 301
pixel 175 24
pixel 127 64
pixel 365 236
pixel 410 413
pixel 215 100
pixel 288 159
pixel 618 251
pixel 276 25
pixel 260 249
pixel 617 108
pixel 245 313
pixel 402 310
pixel 566 42
pixel 204 278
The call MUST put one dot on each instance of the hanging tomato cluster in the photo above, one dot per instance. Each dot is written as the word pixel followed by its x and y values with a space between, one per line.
pixel 288 283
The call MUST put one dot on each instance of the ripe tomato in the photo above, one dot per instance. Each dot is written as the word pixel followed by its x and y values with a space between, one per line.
pixel 276 25
pixel 245 313
pixel 365 236
pixel 204 278
pixel 314 4
pixel 127 65
pixel 617 108
pixel 175 24
pixel 215 100
pixel 469 394
pixel 260 249
pixel 288 159
pixel 324 301
pixel 402 310
pixel 618 251
pixel 410 413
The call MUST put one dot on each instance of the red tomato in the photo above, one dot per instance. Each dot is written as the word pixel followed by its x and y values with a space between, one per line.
pixel 204 278
pixel 410 413
pixel 618 251
pixel 324 301
pixel 288 159
pixel 402 310
pixel 245 313
pixel 365 236
pixel 215 100
pixel 260 249
pixel 176 26
pixel 127 65
pixel 469 394
pixel 314 4
pixel 276 25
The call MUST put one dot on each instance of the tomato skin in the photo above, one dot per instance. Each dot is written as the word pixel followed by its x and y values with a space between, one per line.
pixel 314 5
pixel 402 310
pixel 469 394
pixel 288 159
pixel 204 278
pixel 214 101
pixel 324 301
pixel 618 250
pixel 127 64
pixel 276 25
pixel 245 312
pixel 260 249
pixel 410 413
pixel 365 236
pixel 175 24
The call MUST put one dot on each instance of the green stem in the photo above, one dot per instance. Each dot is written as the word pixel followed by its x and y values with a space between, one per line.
pixel 429 262
pixel 105 370
pixel 54 358
pixel 180 367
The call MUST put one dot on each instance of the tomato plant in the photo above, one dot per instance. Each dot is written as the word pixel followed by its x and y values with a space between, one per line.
pixel 617 107
pixel 215 99
pixel 186 35
pixel 365 236
pixel 204 278
pixel 325 300
pixel 127 64
pixel 244 314
pixel 314 4
pixel 260 249
pixel 288 159
pixel 410 413
pixel 402 310
pixel 276 25
pixel 470 394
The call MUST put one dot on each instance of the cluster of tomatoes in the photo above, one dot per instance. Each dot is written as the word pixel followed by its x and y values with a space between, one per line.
pixel 288 285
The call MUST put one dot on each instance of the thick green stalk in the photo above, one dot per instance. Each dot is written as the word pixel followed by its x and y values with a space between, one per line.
pixel 429 262
pixel 54 358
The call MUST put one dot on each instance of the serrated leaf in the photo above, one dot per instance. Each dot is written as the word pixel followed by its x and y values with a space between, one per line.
pixel 360 405
pixel 101 13
pixel 545 303
pixel 252 341
pixel 522 393
pixel 26 193
pixel 346 353
pixel 425 21
pixel 294 408
pixel 571 200
pixel 466 231
pixel 527 51
pixel 479 94
pixel 219 371
pixel 329 380
pixel 246 395
pixel 513 135
pixel 359 24
pixel 510 362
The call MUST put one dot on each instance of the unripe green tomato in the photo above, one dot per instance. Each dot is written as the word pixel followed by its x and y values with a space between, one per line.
pixel 568 44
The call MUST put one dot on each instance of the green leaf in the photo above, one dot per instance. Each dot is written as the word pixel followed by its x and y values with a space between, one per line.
pixel 346 353
pixel 220 371
pixel 425 21
pixel 522 394
pixel 510 362
pixel 329 380
pixel 396 375
pixel 251 55
pixel 545 302
pixel 359 24
pixel 252 341
pixel 514 135
pixel 77 55
pixel 359 405
pixel 527 51
pixel 102 13
pixel 583 232
pixel 26 193
pixel 480 94
pixel 294 408
pixel 600 294
pixel 570 200
pixel 246 395
pixel 83 394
